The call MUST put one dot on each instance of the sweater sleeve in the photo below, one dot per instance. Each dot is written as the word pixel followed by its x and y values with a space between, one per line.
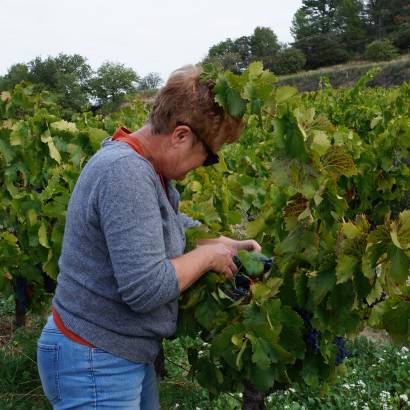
pixel 131 222
pixel 187 221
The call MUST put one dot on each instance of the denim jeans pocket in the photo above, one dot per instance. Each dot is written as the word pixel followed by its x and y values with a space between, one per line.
pixel 47 361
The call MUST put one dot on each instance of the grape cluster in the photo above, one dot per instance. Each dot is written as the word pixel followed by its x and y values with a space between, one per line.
pixel 312 338
pixel 242 280
pixel 342 352
pixel 311 335
pixel 377 301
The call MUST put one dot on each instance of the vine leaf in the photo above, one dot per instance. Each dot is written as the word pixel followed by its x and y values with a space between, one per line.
pixel 338 162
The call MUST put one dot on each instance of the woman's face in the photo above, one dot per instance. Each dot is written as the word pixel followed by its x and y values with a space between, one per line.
pixel 185 157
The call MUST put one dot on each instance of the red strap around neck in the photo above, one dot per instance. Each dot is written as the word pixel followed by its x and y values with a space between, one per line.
pixel 123 134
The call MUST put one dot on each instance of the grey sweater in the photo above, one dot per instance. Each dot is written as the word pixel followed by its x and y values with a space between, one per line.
pixel 116 286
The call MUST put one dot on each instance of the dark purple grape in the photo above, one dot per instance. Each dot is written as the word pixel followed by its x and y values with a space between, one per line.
pixel 242 281
pixel 342 352
pixel 311 335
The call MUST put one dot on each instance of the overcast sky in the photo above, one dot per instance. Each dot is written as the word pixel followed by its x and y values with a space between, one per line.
pixel 150 35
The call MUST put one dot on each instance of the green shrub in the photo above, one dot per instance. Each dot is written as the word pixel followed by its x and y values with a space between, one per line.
pixel 288 61
pixel 401 38
pixel 381 50
pixel 322 50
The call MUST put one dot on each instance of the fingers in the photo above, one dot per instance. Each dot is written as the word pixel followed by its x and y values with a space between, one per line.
pixel 230 271
pixel 250 245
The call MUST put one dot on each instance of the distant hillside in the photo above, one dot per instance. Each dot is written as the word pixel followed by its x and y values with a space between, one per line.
pixel 392 73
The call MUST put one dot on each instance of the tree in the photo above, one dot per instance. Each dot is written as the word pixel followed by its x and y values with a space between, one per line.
pixel 288 60
pixel 111 83
pixel 322 50
pixel 301 26
pixel 242 47
pixel 225 55
pixel 350 23
pixel 386 16
pixel 15 74
pixel 67 76
pixel 264 45
pixel 151 81
pixel 222 48
pixel 314 17
pixel 236 55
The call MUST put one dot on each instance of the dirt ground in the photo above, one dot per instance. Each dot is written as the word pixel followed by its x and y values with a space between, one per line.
pixel 6 330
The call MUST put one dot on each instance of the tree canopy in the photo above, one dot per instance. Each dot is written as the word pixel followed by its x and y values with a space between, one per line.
pixel 76 86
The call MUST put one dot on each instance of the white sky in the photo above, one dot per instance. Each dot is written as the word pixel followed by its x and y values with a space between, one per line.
pixel 156 35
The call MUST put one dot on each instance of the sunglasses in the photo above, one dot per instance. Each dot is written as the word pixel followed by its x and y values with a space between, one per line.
pixel 211 157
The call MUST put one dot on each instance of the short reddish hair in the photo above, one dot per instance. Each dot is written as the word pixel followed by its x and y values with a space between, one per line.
pixel 186 99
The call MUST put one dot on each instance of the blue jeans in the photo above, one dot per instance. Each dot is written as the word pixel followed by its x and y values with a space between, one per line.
pixel 75 376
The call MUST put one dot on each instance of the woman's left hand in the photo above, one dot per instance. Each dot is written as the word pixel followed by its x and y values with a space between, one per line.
pixel 246 245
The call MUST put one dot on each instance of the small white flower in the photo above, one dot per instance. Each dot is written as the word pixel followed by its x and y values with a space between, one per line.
pixel 381 360
pixel 177 405
pixel 404 397
pixel 240 395
pixel 404 350
pixel 292 390
pixel 346 386
pixel 384 396
pixel 361 383
pixel 365 407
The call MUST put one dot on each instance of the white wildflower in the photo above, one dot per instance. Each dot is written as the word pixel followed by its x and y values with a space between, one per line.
pixel 361 383
pixel 346 386
pixel 384 396
pixel 404 397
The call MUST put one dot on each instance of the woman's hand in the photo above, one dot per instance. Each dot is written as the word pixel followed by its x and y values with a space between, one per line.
pixel 246 245
pixel 221 257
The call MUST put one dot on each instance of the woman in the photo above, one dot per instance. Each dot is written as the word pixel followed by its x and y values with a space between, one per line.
pixel 123 265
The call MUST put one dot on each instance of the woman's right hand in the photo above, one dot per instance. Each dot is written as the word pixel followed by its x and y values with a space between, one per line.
pixel 191 266
pixel 220 257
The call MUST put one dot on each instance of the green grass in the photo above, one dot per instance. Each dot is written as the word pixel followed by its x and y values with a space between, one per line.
pixel 377 375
